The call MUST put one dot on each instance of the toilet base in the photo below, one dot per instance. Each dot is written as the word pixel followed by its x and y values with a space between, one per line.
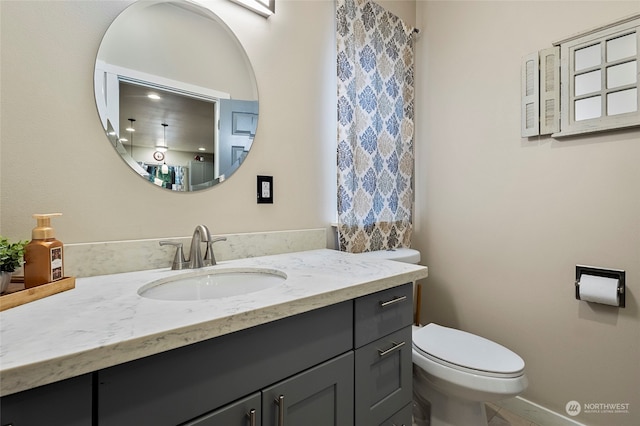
pixel 447 410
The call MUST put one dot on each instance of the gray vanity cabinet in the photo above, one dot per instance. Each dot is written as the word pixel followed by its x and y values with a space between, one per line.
pixel 401 418
pixel 321 396
pixel 65 403
pixel 246 412
pixel 383 366
pixel 184 384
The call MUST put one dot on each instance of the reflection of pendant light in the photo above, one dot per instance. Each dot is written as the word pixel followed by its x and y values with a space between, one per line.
pixel 131 129
pixel 163 147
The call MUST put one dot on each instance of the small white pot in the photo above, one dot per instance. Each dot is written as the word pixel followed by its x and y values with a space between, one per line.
pixel 5 279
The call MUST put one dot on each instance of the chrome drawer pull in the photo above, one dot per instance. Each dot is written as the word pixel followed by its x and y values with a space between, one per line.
pixel 252 417
pixel 280 403
pixel 391 349
pixel 393 301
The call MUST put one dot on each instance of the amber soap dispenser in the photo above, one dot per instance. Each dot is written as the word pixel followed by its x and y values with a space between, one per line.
pixel 43 256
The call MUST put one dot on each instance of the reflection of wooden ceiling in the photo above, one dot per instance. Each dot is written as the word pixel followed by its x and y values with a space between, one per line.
pixel 190 121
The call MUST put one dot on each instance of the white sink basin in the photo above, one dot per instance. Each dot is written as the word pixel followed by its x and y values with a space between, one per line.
pixel 212 284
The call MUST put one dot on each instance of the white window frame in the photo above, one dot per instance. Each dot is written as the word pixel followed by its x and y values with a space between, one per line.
pixel 568 125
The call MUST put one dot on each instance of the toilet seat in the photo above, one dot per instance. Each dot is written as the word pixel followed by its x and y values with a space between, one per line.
pixel 466 352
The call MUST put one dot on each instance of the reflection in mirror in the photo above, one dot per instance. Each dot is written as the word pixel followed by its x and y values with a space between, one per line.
pixel 587 83
pixel 622 74
pixel 621 47
pixel 622 102
pixel 199 125
pixel 587 57
pixel 588 108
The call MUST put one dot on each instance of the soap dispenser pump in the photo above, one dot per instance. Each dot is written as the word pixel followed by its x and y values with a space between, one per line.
pixel 43 256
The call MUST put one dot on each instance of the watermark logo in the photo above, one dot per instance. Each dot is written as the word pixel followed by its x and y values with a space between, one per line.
pixel 573 408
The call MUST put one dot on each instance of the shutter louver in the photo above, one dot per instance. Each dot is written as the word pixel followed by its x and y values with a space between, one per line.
pixel 530 107
pixel 550 91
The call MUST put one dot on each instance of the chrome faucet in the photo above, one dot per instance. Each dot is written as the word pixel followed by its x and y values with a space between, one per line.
pixel 200 235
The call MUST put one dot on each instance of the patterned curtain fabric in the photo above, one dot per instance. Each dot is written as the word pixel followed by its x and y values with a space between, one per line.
pixel 375 63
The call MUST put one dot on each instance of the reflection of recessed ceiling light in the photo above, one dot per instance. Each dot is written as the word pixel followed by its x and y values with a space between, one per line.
pixel 153 96
pixel 261 7
pixel 202 149
pixel 124 140
pixel 161 148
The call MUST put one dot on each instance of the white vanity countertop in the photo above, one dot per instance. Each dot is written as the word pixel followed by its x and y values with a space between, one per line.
pixel 104 322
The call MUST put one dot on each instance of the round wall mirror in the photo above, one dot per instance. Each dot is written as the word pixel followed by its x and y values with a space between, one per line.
pixel 176 94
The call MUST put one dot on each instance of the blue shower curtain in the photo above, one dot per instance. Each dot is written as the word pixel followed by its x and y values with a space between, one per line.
pixel 375 65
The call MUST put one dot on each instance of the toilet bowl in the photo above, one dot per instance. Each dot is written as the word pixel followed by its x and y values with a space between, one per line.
pixel 457 372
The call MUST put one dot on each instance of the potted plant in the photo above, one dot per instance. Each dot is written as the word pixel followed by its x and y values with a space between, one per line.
pixel 11 258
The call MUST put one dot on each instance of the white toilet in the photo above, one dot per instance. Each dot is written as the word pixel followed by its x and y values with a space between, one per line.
pixel 457 372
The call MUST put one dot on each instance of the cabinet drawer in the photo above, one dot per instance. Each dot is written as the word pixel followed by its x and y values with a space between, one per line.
pixel 246 412
pixel 381 313
pixel 383 373
pixel 401 418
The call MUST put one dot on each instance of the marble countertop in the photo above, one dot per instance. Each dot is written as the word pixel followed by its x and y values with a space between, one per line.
pixel 104 322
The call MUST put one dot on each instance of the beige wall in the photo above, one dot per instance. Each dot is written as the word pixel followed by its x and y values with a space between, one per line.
pixel 55 158
pixel 502 221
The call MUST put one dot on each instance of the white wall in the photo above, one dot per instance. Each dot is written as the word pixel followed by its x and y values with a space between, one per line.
pixel 55 157
pixel 502 221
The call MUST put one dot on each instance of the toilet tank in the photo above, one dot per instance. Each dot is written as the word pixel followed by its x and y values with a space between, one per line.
pixel 402 254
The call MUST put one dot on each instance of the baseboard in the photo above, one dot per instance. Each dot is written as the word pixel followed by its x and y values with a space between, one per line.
pixel 536 413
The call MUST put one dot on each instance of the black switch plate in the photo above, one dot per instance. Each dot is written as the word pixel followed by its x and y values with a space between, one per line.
pixel 265 189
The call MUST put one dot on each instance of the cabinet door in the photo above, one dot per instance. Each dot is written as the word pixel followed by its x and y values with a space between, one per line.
pixel 321 396
pixel 383 374
pixel 246 412
pixel 401 418
pixel 65 403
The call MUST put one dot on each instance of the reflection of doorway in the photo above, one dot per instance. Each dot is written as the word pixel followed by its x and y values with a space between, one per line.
pixel 237 154
pixel 238 123
pixel 190 120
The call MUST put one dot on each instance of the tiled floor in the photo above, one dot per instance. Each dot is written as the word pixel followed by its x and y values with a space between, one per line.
pixel 497 416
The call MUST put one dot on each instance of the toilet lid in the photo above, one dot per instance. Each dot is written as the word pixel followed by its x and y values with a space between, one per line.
pixel 467 350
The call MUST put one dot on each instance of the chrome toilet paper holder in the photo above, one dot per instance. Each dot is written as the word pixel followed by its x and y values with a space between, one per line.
pixel 618 274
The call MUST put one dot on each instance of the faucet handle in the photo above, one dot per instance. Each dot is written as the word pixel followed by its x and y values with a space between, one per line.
pixel 209 256
pixel 178 260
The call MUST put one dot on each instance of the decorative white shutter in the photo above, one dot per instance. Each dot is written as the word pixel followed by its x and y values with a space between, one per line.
pixel 530 111
pixel 550 90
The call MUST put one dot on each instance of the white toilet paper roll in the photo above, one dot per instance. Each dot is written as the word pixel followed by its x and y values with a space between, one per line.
pixel 599 289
